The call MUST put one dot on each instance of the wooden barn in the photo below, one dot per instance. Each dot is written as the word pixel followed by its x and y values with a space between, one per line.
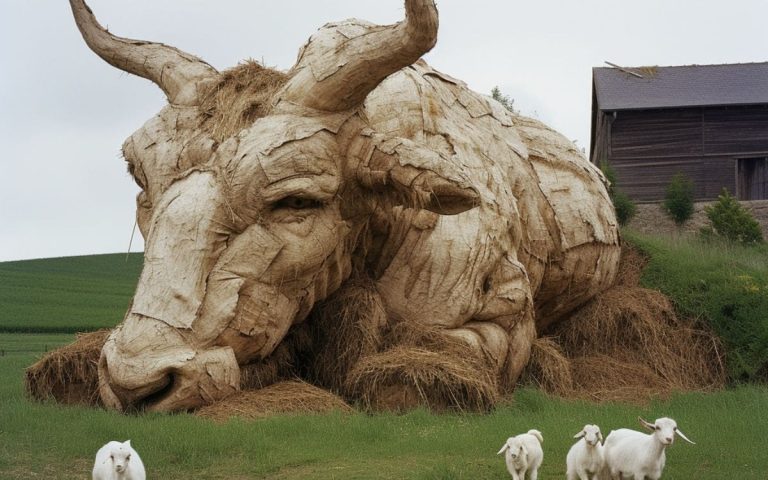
pixel 709 122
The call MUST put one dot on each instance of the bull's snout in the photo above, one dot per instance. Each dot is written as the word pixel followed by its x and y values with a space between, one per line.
pixel 159 377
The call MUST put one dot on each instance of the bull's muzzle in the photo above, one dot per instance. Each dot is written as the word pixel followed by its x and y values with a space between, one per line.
pixel 163 373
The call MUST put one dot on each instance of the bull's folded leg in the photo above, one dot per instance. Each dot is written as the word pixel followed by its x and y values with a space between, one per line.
pixel 465 368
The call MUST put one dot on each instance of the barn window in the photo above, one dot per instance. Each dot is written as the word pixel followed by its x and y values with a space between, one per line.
pixel 752 178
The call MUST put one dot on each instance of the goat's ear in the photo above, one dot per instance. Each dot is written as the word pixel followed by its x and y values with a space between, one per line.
pixel 646 424
pixel 600 436
pixel 579 435
pixel 506 446
pixel 127 443
pixel 410 174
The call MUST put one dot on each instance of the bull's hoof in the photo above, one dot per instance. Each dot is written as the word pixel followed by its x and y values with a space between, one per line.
pixel 404 378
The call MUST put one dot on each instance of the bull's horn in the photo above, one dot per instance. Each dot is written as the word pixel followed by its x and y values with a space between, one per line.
pixel 343 63
pixel 174 71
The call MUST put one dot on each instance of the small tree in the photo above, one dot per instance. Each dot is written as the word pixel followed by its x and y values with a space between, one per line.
pixel 508 103
pixel 732 221
pixel 624 206
pixel 678 202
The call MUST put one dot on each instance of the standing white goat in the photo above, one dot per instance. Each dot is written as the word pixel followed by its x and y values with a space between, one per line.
pixel 585 458
pixel 524 453
pixel 637 455
pixel 118 461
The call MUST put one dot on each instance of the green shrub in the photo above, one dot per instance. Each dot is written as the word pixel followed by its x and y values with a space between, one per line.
pixel 678 201
pixel 730 220
pixel 624 206
pixel 509 103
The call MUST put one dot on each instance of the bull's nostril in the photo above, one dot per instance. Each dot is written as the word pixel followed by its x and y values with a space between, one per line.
pixel 119 390
pixel 144 397
pixel 161 391
pixel 487 284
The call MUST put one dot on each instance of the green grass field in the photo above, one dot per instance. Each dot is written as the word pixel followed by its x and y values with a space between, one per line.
pixel 51 441
pixel 85 293
pixel 70 294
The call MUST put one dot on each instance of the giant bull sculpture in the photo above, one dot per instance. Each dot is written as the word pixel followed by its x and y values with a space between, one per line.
pixel 361 161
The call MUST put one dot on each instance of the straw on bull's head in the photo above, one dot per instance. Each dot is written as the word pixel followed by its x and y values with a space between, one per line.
pixel 245 233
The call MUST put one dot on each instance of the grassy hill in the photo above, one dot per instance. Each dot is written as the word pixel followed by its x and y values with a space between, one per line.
pixel 69 294
pixel 723 285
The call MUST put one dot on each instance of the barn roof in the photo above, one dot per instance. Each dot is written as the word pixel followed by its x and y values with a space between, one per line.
pixel 684 86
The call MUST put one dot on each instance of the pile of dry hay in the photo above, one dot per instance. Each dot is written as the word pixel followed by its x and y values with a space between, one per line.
pixel 626 344
pixel 358 354
pixel 69 374
pixel 288 397
pixel 241 95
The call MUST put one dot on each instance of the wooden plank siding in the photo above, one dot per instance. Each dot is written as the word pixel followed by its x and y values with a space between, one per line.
pixel 656 133
pixel 601 140
pixel 648 147
pixel 736 131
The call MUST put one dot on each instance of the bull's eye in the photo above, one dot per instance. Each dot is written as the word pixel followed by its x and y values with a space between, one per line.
pixel 298 203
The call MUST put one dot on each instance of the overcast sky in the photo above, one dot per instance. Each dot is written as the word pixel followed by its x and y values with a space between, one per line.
pixel 64 112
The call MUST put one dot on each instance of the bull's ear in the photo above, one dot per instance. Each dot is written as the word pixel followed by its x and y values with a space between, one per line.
pixel 410 174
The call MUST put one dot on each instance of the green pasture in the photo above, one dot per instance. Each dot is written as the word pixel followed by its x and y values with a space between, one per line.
pixel 52 441
pixel 724 286
pixel 66 295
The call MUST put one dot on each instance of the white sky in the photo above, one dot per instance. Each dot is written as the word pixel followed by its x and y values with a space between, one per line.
pixel 64 112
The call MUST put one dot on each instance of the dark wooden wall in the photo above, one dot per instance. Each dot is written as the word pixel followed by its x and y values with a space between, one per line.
pixel 648 147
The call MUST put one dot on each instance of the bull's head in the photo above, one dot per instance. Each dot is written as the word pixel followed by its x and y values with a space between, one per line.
pixel 246 230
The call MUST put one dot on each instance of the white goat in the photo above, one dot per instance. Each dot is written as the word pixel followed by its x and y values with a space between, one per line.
pixel 585 458
pixel 524 454
pixel 637 455
pixel 118 461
